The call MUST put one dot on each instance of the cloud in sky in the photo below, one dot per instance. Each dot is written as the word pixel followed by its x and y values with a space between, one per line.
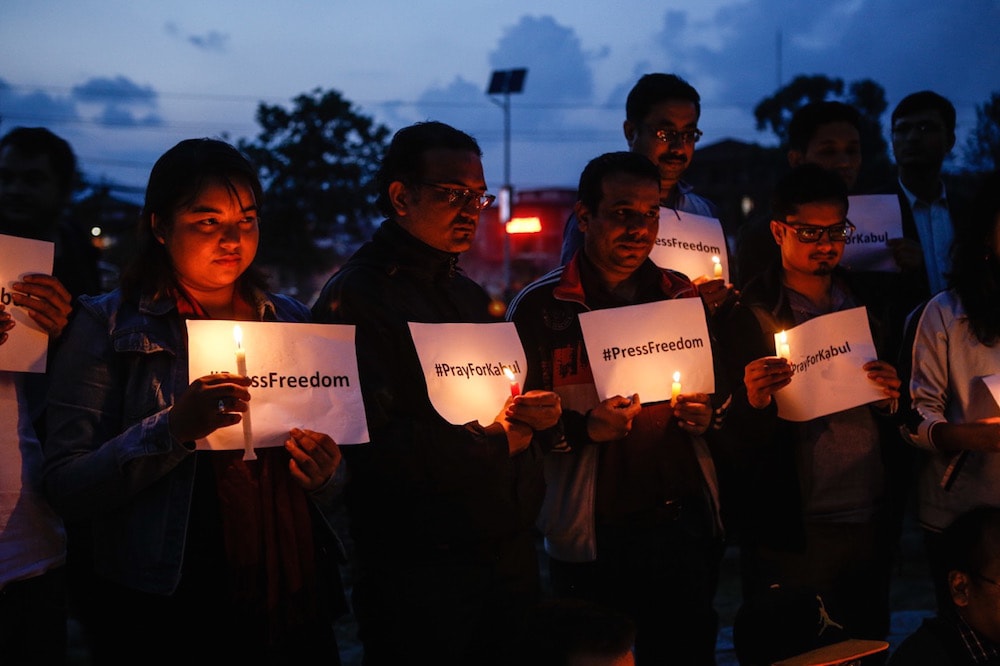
pixel 212 40
pixel 209 81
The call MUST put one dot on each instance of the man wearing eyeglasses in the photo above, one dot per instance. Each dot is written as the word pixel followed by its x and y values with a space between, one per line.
pixel 819 501
pixel 967 631
pixel 629 517
pixel 661 122
pixel 442 515
pixel 923 133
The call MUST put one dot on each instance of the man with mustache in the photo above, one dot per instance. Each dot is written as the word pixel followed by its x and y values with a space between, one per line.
pixel 442 515
pixel 661 122
pixel 820 501
pixel 629 517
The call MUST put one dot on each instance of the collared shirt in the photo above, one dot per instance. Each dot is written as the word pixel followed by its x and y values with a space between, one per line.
pixel 934 227
pixel 981 649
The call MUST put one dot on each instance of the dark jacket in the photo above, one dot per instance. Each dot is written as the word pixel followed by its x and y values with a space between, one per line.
pixel 768 496
pixel 423 487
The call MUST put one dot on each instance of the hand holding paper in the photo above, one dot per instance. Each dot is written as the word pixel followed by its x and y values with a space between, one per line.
pixel 315 457
pixel 765 376
pixel 885 375
pixel 46 301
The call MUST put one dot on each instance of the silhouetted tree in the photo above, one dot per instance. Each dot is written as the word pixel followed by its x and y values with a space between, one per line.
pixel 982 147
pixel 317 162
pixel 776 111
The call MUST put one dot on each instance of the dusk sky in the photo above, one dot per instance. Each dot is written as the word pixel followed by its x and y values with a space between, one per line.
pixel 125 80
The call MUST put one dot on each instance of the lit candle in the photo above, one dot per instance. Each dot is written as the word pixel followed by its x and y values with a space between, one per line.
pixel 717 268
pixel 241 369
pixel 515 388
pixel 675 388
pixel 781 345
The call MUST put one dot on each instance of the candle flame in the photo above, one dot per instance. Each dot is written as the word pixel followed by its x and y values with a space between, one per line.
pixel 716 260
pixel 677 376
pixel 238 336
pixel 508 373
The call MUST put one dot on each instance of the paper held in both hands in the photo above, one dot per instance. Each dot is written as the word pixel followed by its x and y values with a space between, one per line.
pixel 828 354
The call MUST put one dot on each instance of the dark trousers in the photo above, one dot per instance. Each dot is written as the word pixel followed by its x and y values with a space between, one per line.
pixel 33 620
pixel 664 576
pixel 849 565
pixel 197 624
pixel 449 611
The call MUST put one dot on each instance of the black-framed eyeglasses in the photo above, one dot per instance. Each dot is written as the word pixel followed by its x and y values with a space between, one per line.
pixel 806 233
pixel 464 198
pixel 668 136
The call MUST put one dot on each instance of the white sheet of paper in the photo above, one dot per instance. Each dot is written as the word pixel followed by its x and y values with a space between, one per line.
pixel 638 348
pixel 984 398
pixel 305 376
pixel 27 344
pixel 877 218
pixel 463 367
pixel 687 242
pixel 828 353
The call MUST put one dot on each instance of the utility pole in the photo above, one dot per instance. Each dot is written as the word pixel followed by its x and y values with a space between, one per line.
pixel 506 82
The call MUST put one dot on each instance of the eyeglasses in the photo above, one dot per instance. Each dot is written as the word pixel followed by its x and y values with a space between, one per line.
pixel 464 198
pixel 837 233
pixel 668 136
pixel 922 127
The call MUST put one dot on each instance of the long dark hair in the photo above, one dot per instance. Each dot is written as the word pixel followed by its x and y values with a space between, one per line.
pixel 975 274
pixel 176 179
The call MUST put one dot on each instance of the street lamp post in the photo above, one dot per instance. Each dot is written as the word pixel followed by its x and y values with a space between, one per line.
pixel 506 82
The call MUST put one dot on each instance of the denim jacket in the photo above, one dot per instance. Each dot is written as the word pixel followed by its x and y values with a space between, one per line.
pixel 110 458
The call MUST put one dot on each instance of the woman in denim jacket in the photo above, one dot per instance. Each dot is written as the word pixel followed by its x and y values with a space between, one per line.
pixel 192 550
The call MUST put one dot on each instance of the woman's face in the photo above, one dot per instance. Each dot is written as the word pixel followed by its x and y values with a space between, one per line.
pixel 213 238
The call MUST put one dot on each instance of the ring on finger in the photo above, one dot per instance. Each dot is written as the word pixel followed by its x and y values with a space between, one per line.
pixel 222 406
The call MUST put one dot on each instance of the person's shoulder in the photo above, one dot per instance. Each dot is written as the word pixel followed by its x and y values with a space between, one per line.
pixel 539 289
pixel 928 645
pixel 287 308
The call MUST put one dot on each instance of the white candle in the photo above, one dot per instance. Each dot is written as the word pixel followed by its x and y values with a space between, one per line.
pixel 241 369
pixel 675 388
pixel 781 345
pixel 515 388
pixel 717 267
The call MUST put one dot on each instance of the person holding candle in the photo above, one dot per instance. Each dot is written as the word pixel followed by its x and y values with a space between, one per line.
pixel 952 420
pixel 630 515
pixel 820 503
pixel 661 123
pixel 200 555
pixel 441 514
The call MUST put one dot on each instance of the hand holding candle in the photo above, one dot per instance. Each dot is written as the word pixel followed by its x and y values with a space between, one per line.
pixel 241 369
pixel 717 267
pixel 515 388
pixel 675 388
pixel 781 345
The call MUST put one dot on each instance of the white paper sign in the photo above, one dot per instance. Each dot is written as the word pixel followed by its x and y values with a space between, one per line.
pixel 828 354
pixel 877 218
pixel 463 366
pixel 687 243
pixel 27 344
pixel 638 348
pixel 305 376
pixel 984 398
